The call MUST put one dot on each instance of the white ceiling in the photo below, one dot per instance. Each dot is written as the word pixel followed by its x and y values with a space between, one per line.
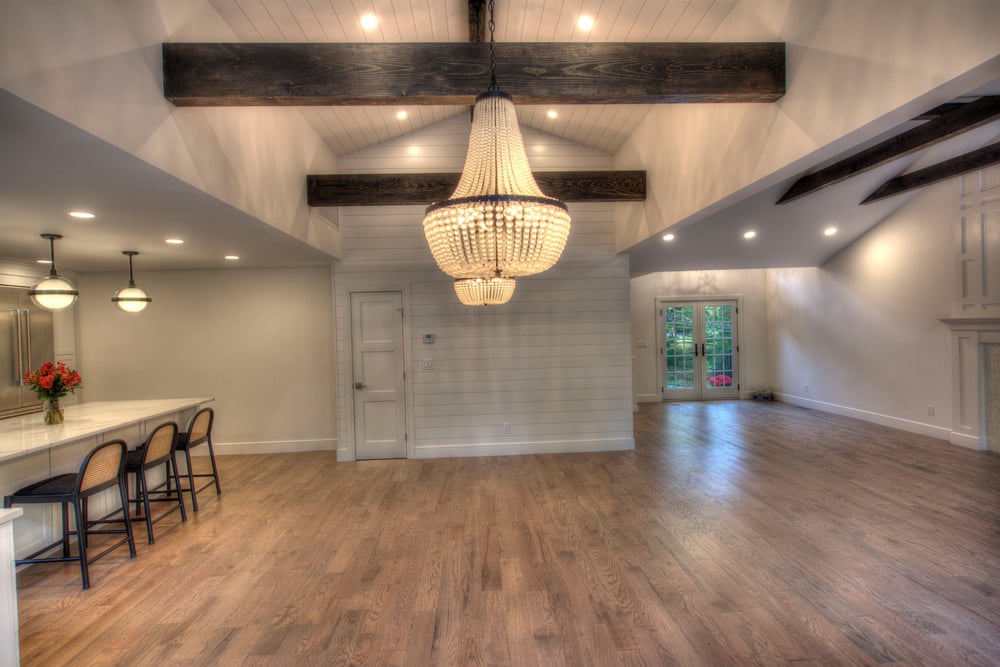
pixel 48 167
pixel 349 129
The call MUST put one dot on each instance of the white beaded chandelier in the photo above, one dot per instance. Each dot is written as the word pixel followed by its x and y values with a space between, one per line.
pixel 498 224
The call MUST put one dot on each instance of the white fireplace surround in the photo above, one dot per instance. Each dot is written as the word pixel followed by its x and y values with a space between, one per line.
pixel 972 382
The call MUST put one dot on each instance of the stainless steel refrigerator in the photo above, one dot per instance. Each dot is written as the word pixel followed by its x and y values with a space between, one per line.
pixel 27 343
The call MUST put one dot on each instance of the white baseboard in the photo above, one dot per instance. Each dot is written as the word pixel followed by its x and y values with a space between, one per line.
pixel 864 415
pixel 647 398
pixel 963 440
pixel 269 447
pixel 513 448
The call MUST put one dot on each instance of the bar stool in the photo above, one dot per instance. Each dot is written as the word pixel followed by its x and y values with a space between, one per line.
pixel 199 431
pixel 101 469
pixel 157 450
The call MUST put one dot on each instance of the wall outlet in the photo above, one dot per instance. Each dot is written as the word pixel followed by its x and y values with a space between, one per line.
pixel 506 428
pixel 805 389
pixel 930 410
pixel 428 364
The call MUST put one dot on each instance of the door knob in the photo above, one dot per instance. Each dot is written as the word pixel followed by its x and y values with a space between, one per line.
pixel 359 385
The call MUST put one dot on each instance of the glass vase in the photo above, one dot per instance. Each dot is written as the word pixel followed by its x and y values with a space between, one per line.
pixel 52 412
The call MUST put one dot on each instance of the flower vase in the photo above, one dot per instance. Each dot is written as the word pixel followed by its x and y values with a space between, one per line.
pixel 52 413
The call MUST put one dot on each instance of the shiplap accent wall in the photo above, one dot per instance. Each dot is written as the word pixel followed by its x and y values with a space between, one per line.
pixel 554 363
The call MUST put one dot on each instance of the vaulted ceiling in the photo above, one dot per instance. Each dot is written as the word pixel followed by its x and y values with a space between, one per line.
pixel 349 129
pixel 46 161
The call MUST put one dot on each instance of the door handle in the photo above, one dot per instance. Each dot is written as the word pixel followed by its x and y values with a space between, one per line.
pixel 359 385
pixel 703 349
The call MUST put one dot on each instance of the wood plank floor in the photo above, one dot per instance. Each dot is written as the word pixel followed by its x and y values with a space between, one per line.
pixel 737 533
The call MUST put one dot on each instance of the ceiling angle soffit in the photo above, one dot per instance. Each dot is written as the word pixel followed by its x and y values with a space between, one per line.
pixel 437 73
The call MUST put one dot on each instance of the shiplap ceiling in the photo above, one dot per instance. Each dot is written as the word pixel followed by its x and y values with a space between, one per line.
pixel 350 129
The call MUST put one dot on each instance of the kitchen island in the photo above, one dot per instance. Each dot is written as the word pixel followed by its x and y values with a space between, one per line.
pixel 31 450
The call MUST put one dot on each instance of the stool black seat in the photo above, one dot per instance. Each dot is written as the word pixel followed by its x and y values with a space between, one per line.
pixel 101 469
pixel 157 450
pixel 199 432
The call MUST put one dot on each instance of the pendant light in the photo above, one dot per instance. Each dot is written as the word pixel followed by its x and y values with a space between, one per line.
pixel 53 292
pixel 497 224
pixel 131 299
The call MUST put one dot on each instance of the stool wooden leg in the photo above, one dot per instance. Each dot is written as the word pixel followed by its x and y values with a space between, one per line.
pixel 215 469
pixel 172 463
pixel 190 476
pixel 81 543
pixel 123 494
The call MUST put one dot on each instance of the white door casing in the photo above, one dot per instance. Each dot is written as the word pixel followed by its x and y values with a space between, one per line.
pixel 378 383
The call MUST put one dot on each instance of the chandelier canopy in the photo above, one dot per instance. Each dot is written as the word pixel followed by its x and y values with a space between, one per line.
pixel 497 224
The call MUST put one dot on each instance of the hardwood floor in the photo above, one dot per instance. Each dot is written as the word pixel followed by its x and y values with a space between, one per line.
pixel 736 533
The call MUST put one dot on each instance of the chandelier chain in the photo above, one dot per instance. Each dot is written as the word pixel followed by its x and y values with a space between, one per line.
pixel 493 57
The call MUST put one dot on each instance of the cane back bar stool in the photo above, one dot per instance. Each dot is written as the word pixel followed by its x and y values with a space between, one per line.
pixel 199 431
pixel 157 450
pixel 101 469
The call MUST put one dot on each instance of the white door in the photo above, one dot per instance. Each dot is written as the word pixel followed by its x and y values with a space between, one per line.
pixel 379 395
pixel 698 350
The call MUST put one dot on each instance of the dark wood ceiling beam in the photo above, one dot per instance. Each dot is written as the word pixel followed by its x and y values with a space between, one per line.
pixel 289 74
pixel 424 189
pixel 941 171
pixel 942 127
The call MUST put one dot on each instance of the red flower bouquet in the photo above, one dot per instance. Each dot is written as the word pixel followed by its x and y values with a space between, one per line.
pixel 53 380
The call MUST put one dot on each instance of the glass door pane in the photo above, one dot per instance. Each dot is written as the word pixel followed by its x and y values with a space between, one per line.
pixel 681 374
pixel 719 376
pixel 680 343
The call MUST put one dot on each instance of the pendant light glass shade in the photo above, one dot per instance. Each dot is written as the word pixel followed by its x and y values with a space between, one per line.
pixel 53 292
pixel 484 291
pixel 497 223
pixel 131 299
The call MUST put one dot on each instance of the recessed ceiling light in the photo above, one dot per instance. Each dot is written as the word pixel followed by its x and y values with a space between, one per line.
pixel 232 257
pixel 82 215
pixel 585 22
pixel 175 241
pixel 749 234
pixel 829 231
pixel 668 237
pixel 369 21
pixel 552 113
pixel 401 115
pixel 413 150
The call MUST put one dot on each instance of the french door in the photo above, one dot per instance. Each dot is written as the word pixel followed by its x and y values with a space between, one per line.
pixel 698 350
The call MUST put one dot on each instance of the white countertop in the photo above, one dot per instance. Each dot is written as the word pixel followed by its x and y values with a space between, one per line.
pixel 27 434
